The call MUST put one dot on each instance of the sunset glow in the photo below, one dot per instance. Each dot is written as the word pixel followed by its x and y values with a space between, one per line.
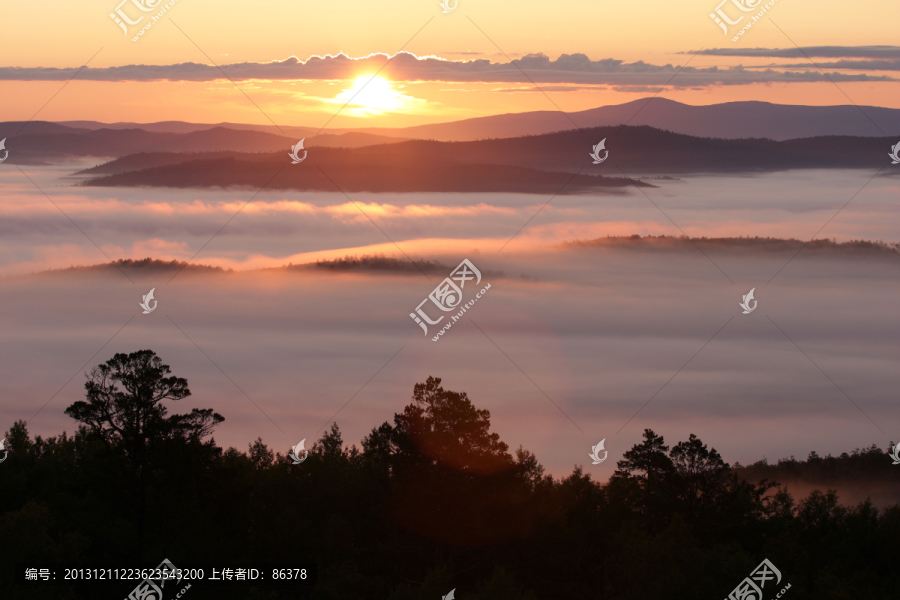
pixel 374 95
pixel 504 299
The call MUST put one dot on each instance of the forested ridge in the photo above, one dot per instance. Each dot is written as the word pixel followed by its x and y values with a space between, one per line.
pixel 430 502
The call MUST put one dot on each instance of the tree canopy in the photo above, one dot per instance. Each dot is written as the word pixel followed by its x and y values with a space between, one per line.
pixel 125 409
pixel 432 501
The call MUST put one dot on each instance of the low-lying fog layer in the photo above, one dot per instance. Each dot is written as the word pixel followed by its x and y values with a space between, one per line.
pixel 274 228
pixel 598 330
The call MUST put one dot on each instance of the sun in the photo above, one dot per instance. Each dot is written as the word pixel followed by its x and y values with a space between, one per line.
pixel 373 93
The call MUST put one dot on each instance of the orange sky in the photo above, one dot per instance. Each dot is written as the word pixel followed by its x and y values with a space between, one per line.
pixel 653 31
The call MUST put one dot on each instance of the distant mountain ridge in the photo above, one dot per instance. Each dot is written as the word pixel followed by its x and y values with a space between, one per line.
pixel 729 120
pixel 38 140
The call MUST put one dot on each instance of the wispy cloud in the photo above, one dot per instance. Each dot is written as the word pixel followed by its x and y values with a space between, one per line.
pixel 862 65
pixel 884 52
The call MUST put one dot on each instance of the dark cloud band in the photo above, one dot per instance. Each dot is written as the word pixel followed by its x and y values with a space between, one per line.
pixel 575 69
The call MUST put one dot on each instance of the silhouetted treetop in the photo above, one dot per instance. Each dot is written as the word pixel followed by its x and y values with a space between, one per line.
pixel 447 427
pixel 125 407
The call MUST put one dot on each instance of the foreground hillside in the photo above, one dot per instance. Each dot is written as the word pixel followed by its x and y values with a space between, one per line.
pixel 432 501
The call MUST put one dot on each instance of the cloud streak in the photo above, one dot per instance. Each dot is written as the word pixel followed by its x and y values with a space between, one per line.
pixel 878 52
pixel 874 65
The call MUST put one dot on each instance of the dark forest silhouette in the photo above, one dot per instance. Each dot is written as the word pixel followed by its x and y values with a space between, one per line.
pixel 430 502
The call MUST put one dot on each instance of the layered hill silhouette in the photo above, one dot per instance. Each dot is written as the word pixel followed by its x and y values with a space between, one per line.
pixel 28 142
pixel 177 154
pixel 40 141
pixel 549 163
pixel 731 120
pixel 643 149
